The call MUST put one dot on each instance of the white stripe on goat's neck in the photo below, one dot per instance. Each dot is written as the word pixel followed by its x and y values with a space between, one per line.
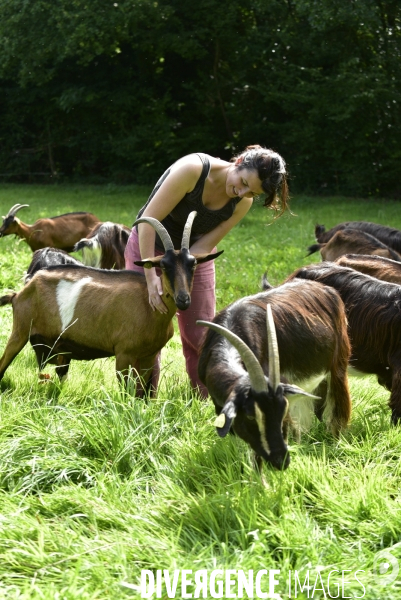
pixel 67 294
pixel 260 420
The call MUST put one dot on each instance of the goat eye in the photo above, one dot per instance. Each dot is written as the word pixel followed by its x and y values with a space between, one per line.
pixel 250 417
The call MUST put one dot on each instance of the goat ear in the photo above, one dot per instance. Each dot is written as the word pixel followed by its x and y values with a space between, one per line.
pixel 148 263
pixel 224 420
pixel 294 389
pixel 201 258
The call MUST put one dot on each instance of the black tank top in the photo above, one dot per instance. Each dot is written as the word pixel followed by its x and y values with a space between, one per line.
pixel 205 220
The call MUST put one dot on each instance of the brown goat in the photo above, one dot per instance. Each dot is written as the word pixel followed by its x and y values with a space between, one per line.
pixel 76 312
pixel 62 232
pixel 104 246
pixel 375 266
pixel 388 235
pixel 353 241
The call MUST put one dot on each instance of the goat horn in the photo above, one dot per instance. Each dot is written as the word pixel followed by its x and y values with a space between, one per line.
pixel 255 371
pixel 187 230
pixel 14 209
pixel 274 359
pixel 161 230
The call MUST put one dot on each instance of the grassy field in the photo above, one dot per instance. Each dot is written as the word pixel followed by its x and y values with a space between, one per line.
pixel 96 486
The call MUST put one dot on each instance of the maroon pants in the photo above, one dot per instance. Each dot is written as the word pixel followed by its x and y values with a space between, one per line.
pixel 203 304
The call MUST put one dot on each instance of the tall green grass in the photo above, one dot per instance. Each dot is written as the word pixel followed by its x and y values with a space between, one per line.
pixel 96 485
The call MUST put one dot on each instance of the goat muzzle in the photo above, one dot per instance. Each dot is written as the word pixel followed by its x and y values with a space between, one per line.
pixel 182 300
pixel 280 461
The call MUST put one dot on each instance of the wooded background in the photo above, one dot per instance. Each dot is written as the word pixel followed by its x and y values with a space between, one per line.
pixel 116 91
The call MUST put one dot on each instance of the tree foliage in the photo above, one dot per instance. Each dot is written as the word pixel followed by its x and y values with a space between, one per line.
pixel 121 89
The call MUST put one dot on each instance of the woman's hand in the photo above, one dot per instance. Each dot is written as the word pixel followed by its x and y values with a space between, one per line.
pixel 155 290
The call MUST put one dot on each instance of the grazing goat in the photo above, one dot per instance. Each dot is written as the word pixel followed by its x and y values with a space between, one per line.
pixel 82 313
pixel 373 310
pixel 388 235
pixel 375 266
pixel 60 232
pixel 104 246
pixel 353 241
pixel 314 349
pixel 48 257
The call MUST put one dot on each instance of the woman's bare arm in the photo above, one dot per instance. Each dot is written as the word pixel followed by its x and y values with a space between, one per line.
pixel 208 241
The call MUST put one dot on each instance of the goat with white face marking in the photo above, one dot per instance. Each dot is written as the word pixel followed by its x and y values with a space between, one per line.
pixel 81 313
pixel 353 241
pixel 61 232
pixel 374 318
pixel 104 246
pixel 314 350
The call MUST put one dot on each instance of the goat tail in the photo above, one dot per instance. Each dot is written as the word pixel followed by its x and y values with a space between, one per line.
pixel 8 299
pixel 314 248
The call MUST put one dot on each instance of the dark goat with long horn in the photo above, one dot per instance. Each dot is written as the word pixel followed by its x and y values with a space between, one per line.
pixel 82 313
pixel 314 349
pixel 62 232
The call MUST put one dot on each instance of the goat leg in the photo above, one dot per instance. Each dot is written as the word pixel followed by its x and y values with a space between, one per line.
pixel 15 344
pixel 63 364
pixel 395 396
pixel 141 370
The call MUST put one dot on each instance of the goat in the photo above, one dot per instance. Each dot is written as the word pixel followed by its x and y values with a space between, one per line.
pixel 77 312
pixel 60 232
pixel 314 349
pixel 104 246
pixel 47 257
pixel 376 266
pixel 374 318
pixel 388 235
pixel 352 241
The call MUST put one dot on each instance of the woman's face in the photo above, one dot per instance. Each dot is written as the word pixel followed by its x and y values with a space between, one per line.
pixel 243 182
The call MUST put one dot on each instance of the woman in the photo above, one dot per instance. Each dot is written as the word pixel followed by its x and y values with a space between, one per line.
pixel 222 193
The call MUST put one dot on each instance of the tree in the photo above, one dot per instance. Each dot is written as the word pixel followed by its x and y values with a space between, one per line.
pixel 121 89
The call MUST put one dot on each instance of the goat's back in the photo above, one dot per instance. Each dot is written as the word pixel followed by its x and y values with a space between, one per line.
pixel 354 241
pixel 373 311
pixel 388 235
pixel 48 257
pixel 95 308
pixel 310 324
pixel 380 267
pixel 63 231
